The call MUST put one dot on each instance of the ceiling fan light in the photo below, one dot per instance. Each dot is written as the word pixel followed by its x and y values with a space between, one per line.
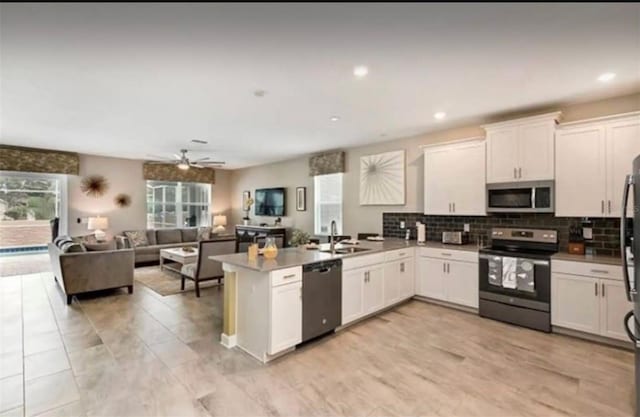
pixel 183 166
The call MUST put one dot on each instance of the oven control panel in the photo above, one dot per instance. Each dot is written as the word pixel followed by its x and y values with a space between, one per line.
pixel 528 235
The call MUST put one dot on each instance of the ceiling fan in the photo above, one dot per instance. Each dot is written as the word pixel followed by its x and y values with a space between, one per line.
pixel 184 163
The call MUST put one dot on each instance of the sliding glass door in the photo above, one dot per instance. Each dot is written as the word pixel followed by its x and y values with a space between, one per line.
pixel 28 203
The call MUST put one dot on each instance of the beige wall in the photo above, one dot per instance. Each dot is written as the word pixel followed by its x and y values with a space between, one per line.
pixel 294 173
pixel 124 176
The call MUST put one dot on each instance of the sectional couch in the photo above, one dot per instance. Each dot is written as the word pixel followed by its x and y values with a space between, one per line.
pixel 148 250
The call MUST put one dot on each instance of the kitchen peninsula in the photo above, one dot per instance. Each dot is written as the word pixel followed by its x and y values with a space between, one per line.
pixel 263 301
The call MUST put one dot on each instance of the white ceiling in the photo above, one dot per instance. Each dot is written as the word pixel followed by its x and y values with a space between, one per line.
pixel 129 80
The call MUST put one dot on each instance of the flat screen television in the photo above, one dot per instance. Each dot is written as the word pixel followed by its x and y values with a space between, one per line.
pixel 270 202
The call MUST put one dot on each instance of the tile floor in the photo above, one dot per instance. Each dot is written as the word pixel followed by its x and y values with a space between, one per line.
pixel 147 355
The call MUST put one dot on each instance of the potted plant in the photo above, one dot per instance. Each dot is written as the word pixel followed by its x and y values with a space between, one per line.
pixel 247 208
pixel 299 238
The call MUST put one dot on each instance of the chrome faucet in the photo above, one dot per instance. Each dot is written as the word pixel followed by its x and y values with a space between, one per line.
pixel 332 243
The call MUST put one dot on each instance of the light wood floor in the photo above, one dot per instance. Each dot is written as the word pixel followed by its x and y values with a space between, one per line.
pixel 143 355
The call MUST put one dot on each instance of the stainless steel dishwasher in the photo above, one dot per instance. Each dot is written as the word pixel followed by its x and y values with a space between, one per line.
pixel 321 298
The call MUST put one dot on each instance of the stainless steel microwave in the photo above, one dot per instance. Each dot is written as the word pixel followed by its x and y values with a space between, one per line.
pixel 521 197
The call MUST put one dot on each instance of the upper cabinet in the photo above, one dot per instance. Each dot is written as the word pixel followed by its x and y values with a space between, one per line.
pixel 454 179
pixel 521 149
pixel 592 160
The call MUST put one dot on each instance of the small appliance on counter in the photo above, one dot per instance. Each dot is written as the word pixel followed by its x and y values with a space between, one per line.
pixel 422 233
pixel 455 238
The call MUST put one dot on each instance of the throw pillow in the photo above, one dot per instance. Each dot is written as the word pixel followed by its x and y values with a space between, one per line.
pixel 190 234
pixel 100 246
pixel 137 238
pixel 204 233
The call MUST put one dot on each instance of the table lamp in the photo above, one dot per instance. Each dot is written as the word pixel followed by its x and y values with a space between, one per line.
pixel 98 224
pixel 219 221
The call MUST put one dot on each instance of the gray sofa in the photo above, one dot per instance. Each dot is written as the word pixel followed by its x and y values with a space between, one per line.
pixel 79 271
pixel 158 239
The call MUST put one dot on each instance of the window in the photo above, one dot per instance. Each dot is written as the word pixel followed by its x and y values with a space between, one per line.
pixel 178 204
pixel 327 203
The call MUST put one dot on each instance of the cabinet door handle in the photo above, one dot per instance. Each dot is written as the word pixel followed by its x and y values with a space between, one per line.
pixel 519 172
pixel 515 172
pixel 599 271
pixel 444 267
pixel 602 206
pixel 449 207
pixel 445 254
pixel 596 288
pixel 402 267
pixel 603 290
pixel 289 276
pixel 448 268
pixel 454 207
pixel 609 206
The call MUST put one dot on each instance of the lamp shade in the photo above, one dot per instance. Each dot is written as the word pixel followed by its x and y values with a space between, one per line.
pixel 220 220
pixel 98 223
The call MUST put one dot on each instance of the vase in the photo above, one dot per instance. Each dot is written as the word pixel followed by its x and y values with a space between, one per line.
pixel 270 250
pixel 245 222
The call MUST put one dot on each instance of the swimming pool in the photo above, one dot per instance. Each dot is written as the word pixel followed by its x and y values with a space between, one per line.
pixel 23 250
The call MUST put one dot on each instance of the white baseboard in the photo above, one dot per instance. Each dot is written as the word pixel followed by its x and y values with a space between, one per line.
pixel 228 341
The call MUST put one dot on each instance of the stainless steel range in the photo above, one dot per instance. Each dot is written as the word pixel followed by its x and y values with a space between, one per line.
pixel 515 277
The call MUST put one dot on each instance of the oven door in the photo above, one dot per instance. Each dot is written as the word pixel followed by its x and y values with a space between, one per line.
pixel 515 280
pixel 521 197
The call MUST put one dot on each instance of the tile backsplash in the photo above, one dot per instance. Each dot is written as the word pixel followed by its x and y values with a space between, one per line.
pixel 606 232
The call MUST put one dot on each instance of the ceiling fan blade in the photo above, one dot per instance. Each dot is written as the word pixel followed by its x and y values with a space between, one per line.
pixel 168 161
pixel 159 158
pixel 202 159
pixel 196 165
pixel 213 162
pixel 176 156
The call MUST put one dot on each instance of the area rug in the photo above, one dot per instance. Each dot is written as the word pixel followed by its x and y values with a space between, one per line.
pixel 166 282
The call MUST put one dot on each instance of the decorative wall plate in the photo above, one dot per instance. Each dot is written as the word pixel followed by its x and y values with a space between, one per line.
pixel 382 179
pixel 122 200
pixel 94 185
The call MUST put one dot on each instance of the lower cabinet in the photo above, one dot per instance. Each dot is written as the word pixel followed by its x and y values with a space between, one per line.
pixel 589 304
pixel 398 281
pixel 367 288
pixel 286 317
pixel 448 279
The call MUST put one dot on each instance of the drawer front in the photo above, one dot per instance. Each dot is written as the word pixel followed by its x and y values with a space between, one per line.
pixel 286 276
pixel 455 255
pixel 587 269
pixel 362 261
pixel 394 255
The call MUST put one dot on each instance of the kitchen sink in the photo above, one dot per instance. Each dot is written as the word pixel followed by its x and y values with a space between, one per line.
pixel 346 250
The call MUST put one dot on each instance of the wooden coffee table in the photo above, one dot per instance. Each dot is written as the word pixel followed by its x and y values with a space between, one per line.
pixel 177 255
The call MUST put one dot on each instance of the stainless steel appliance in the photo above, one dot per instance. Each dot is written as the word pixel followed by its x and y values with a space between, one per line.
pixel 629 236
pixel 521 197
pixel 455 238
pixel 515 277
pixel 321 298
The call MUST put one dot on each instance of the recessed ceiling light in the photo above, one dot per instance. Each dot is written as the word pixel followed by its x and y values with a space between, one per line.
pixel 259 93
pixel 360 71
pixel 606 77
pixel 200 141
pixel 440 115
pixel 334 118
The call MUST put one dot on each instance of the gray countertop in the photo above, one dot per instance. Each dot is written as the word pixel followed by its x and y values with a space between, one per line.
pixel 290 257
pixel 596 259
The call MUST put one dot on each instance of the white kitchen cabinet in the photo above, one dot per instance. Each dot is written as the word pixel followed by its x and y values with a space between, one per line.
pixel 398 281
pixel 614 306
pixel 454 178
pixel 373 294
pixel 589 303
pixel 462 283
pixel 448 279
pixel 592 161
pixel 522 149
pixel 430 278
pixel 286 317
pixel 623 145
pixel 575 302
pixel 352 295
pixel 580 171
